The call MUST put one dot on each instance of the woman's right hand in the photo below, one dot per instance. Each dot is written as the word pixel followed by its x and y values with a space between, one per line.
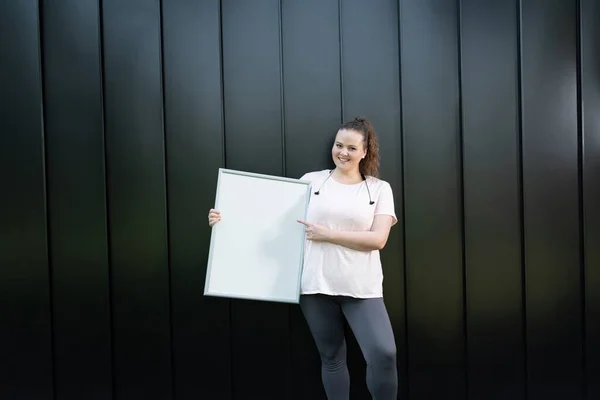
pixel 214 216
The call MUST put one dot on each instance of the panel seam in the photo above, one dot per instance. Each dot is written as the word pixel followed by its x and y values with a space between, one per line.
pixel 166 193
pixel 520 177
pixel 403 210
pixel 462 196
pixel 281 89
pixel 284 168
pixel 44 154
pixel 107 198
pixel 224 165
pixel 581 194
pixel 341 62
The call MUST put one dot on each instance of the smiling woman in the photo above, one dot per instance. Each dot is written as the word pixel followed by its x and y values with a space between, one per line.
pixel 348 221
pixel 356 143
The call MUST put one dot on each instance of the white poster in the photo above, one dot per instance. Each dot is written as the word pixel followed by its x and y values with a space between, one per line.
pixel 256 250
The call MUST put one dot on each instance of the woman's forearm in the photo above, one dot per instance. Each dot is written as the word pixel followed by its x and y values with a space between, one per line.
pixel 360 240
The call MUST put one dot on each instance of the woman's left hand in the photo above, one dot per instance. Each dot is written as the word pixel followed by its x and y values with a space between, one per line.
pixel 316 232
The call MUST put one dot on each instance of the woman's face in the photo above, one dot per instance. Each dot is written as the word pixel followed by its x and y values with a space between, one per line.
pixel 348 149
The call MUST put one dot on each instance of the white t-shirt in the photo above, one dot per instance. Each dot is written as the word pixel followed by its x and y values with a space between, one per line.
pixel 337 270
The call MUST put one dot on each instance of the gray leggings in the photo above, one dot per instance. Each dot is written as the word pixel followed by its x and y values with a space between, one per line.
pixel 369 321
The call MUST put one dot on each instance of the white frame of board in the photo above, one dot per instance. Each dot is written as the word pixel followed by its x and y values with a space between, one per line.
pixel 215 237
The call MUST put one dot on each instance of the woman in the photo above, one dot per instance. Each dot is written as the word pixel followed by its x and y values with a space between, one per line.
pixel 349 218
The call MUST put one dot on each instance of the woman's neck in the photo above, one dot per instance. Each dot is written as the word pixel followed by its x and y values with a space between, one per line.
pixel 353 176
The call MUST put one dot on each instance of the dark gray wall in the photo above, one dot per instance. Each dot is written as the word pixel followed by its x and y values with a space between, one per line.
pixel 116 115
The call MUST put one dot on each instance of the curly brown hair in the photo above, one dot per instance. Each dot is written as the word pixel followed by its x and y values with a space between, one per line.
pixel 370 164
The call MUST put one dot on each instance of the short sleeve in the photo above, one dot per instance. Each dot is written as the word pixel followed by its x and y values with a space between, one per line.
pixel 385 203
pixel 308 176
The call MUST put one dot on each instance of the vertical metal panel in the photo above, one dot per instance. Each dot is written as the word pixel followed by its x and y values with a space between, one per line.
pixel 433 204
pixel 550 196
pixel 311 79
pixel 371 88
pixel 25 320
pixel 254 142
pixel 137 204
pixel 311 76
pixel 194 129
pixel 490 104
pixel 251 68
pixel 77 199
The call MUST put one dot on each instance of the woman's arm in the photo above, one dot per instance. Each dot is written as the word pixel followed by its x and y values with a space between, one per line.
pixel 374 239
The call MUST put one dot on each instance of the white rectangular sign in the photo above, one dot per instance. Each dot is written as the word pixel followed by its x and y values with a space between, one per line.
pixel 257 249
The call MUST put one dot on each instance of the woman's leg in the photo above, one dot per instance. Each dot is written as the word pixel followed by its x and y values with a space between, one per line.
pixel 370 323
pixel 325 321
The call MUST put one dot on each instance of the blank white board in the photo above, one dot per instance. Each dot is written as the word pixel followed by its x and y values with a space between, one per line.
pixel 257 249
